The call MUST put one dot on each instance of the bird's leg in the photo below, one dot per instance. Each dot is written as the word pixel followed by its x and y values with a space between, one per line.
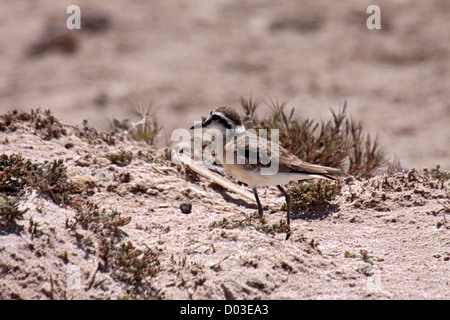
pixel 288 203
pixel 260 208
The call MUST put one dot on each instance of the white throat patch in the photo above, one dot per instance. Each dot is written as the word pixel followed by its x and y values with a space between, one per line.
pixel 239 130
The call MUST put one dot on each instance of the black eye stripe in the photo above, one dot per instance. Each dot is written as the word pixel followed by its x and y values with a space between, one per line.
pixel 225 123
pixel 218 118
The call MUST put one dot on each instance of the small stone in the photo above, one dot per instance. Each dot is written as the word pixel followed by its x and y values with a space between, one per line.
pixel 186 207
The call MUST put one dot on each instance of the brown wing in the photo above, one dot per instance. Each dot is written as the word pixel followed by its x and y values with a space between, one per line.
pixel 290 163
pixel 245 151
pixel 246 148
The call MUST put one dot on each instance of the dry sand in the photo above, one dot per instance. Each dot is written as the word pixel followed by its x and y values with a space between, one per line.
pixel 384 238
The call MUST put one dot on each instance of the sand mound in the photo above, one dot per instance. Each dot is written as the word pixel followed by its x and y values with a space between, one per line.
pixel 124 235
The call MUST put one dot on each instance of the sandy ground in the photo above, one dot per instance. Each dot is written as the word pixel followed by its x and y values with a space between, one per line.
pixel 189 56
pixel 388 237
pixel 382 238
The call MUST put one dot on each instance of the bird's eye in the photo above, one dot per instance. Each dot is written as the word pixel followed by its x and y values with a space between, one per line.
pixel 215 118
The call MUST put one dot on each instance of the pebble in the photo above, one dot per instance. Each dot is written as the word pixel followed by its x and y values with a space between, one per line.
pixel 186 207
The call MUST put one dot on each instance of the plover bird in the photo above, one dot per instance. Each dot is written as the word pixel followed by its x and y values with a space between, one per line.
pixel 289 167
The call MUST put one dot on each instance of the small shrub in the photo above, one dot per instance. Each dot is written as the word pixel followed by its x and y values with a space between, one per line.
pixel 51 179
pixel 261 226
pixel 278 227
pixel 45 123
pixel 48 178
pixel 437 174
pixel 90 216
pixel 134 264
pixel 337 142
pixel 9 210
pixel 151 156
pixel 145 129
pixel 120 158
pixel 309 196
pixel 15 173
pixel 230 224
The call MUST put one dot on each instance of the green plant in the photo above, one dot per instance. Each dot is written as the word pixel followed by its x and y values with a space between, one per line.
pixel 337 142
pixel 261 226
pixel 145 129
pixel 120 158
pixel 308 196
pixel 151 156
pixel 365 155
pixel 436 173
pixel 44 122
pixel 134 264
pixel 49 178
pixel 15 173
pixel 278 227
pixel 230 224
pixel 249 106
pixel 363 255
pixel 9 210
pixel 90 216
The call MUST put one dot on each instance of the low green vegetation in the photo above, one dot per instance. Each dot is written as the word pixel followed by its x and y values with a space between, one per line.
pixel 10 211
pixel 120 158
pixel 311 196
pixel 44 122
pixel 437 174
pixel 19 175
pixel 134 265
pixel 261 226
pixel 90 216
pixel 153 156
pixel 146 128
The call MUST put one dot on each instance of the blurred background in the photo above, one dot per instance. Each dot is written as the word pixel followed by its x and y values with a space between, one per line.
pixel 189 56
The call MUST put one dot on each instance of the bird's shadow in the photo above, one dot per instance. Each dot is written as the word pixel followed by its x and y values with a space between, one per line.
pixel 317 213
pixel 227 197
pixel 12 227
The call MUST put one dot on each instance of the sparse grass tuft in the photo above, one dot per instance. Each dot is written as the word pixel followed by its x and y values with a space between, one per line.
pixel 145 129
pixel 120 158
pixel 363 255
pixel 249 106
pixel 337 142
